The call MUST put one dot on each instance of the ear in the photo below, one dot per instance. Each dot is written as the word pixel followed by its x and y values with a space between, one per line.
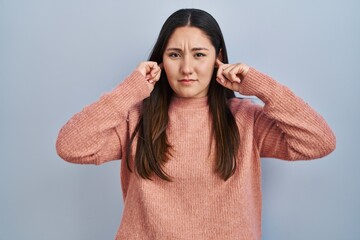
pixel 220 55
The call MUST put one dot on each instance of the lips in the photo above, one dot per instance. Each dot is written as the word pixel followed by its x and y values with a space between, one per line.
pixel 187 80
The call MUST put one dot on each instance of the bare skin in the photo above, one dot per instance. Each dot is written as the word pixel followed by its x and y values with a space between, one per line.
pixel 189 61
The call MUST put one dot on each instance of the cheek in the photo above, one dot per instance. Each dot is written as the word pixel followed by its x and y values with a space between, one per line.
pixel 170 69
pixel 206 69
pixel 166 65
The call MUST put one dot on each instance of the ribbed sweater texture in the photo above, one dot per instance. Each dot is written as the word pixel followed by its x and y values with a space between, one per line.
pixel 197 204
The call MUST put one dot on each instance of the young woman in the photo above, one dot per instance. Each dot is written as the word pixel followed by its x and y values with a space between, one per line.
pixel 190 150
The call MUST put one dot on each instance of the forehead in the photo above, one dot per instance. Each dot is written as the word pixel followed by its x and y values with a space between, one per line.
pixel 189 36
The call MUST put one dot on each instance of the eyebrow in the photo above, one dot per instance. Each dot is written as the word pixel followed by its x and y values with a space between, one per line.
pixel 193 49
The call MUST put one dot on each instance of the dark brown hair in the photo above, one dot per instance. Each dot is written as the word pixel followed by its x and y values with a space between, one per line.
pixel 152 149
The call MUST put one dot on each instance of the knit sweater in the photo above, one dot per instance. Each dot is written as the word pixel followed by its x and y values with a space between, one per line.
pixel 197 204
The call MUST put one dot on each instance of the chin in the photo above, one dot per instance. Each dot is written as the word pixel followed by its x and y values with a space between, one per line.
pixel 187 95
pixel 190 93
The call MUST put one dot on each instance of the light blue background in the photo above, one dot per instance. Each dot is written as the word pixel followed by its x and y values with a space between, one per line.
pixel 58 56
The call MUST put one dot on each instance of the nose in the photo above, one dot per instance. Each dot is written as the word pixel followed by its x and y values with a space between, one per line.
pixel 186 66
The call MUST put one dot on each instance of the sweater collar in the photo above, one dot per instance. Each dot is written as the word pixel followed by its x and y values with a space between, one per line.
pixel 189 103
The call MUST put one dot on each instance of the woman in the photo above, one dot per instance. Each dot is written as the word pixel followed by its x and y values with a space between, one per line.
pixel 191 150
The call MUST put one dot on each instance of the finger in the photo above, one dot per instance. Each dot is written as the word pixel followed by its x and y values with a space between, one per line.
pixel 226 71
pixel 233 74
pixel 235 78
pixel 230 85
pixel 154 69
pixel 219 75
pixel 218 63
pixel 148 69
pixel 221 81
pixel 157 77
pixel 154 75
pixel 234 86
pixel 227 68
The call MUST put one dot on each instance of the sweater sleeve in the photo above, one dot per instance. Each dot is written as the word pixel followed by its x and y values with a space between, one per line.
pixel 93 136
pixel 286 127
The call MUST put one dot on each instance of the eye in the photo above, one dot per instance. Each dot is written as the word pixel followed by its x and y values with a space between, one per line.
pixel 174 55
pixel 199 55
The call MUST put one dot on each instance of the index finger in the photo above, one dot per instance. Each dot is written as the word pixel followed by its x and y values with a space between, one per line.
pixel 218 63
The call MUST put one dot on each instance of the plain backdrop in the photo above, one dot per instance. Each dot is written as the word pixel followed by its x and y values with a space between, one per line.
pixel 58 56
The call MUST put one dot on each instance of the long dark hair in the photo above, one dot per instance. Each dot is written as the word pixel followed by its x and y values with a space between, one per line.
pixel 152 149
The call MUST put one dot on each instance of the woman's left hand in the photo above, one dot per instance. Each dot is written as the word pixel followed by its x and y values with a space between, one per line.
pixel 231 75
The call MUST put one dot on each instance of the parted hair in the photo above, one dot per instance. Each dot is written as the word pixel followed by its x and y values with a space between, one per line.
pixel 153 148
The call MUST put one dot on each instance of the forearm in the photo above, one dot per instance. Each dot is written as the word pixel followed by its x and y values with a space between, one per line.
pixel 287 121
pixel 92 135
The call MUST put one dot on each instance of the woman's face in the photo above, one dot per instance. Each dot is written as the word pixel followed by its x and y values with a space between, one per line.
pixel 189 60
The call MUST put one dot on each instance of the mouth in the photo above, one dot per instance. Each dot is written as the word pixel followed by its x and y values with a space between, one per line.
pixel 187 80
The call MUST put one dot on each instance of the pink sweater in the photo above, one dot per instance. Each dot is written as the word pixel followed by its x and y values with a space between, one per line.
pixel 197 204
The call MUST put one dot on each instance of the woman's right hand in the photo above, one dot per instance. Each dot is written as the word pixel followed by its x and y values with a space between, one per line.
pixel 151 71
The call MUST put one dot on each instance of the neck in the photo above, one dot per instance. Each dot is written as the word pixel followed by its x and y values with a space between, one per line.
pixel 189 103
